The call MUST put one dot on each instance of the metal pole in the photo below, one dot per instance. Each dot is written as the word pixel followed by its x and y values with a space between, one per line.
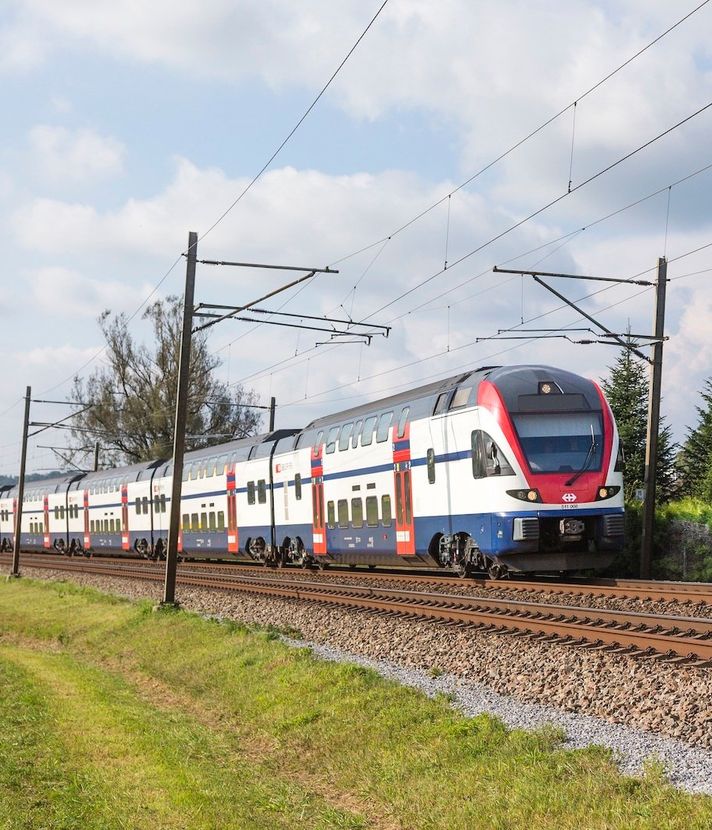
pixel 96 457
pixel 651 446
pixel 169 589
pixel 272 407
pixel 21 488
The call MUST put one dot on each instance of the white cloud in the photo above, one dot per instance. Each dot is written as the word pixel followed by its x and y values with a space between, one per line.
pixel 68 294
pixel 22 47
pixel 80 155
pixel 473 63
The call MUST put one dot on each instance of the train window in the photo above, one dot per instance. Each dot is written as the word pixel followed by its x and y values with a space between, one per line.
pixel 496 462
pixel 194 523
pixel 367 433
pixel 478 456
pixel 408 504
pixel 345 435
pixel 384 427
pixel 186 522
pixel 357 512
pixel 155 504
pixel 250 492
pixel 342 507
pixel 620 459
pixel 144 503
pixel 330 515
pixel 212 525
pixel 431 466
pixel 163 503
pixel 402 421
pixel 355 434
pixel 92 525
pixel 56 512
pixel 203 521
pixel 261 491
pixel 40 527
pixel 372 511
pixel 441 403
pixel 487 458
pixel 399 503
pixel 138 506
pixel 460 398
pixel 186 472
pixel 298 486
pixel 331 439
pixel 221 520
pixel 61 512
pixel 319 439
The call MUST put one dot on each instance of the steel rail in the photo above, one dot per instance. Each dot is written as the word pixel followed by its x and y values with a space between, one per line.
pixel 642 634
pixel 632 589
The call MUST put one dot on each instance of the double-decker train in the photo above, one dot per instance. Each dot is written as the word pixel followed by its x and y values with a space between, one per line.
pixel 499 469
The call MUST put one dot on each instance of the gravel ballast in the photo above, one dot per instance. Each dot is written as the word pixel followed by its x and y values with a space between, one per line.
pixel 640 709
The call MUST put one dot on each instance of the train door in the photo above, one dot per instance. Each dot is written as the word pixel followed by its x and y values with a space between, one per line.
pixel 124 517
pixel 45 539
pixel 405 526
pixel 87 537
pixel 317 476
pixel 233 536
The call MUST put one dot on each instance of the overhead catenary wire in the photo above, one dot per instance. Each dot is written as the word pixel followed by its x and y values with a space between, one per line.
pixel 602 80
pixel 525 138
pixel 241 195
pixel 543 208
pixel 564 239
pixel 417 361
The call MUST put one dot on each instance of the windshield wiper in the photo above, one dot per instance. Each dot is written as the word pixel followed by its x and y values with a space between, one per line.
pixel 587 460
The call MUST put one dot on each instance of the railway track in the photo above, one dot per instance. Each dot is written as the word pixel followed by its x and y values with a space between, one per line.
pixel 676 639
pixel 623 589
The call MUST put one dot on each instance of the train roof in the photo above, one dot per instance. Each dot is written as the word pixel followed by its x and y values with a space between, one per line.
pixel 430 390
pixel 512 381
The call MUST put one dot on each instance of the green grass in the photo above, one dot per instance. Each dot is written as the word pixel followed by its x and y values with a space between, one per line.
pixel 113 716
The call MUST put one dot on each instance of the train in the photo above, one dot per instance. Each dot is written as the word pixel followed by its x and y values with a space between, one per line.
pixel 502 469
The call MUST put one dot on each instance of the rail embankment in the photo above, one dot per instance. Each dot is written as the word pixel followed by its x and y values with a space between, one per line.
pixel 113 716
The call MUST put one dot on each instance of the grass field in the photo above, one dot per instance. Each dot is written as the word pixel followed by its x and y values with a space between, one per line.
pixel 115 716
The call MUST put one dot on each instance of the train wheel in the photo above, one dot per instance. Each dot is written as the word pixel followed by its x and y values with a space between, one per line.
pixel 463 570
pixel 497 571
pixel 258 549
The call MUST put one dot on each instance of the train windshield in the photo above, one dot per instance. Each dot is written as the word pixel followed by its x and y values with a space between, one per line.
pixel 562 442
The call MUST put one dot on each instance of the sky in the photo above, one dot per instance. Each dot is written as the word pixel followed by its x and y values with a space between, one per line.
pixel 127 125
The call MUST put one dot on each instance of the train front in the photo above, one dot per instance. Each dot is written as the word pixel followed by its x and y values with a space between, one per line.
pixel 566 511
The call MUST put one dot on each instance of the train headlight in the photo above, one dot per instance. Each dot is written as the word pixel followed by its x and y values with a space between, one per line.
pixel 525 495
pixel 607 492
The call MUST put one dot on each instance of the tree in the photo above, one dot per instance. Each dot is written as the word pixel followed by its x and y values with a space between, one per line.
pixel 696 456
pixel 131 402
pixel 627 391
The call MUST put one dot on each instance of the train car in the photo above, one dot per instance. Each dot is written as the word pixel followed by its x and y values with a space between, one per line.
pixel 500 469
pixel 7 518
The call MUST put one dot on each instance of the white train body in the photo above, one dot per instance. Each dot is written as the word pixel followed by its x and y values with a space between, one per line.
pixel 503 468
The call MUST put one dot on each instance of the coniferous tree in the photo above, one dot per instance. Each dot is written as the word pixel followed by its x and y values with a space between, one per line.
pixel 696 457
pixel 627 392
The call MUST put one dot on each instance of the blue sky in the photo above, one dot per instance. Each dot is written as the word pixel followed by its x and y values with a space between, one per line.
pixel 128 125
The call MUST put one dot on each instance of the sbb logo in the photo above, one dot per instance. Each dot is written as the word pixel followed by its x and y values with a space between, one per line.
pixel 569 497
